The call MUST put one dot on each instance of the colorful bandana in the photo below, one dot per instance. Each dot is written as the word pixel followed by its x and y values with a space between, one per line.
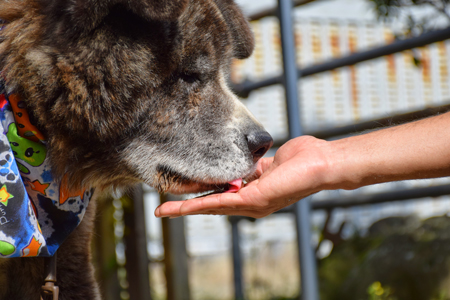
pixel 36 212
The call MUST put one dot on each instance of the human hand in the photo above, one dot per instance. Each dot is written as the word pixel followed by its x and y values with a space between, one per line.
pixel 297 170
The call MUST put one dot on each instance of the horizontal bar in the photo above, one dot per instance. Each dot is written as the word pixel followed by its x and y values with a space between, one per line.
pixel 379 123
pixel 397 195
pixel 273 11
pixel 397 46
pixel 373 124
pixel 243 89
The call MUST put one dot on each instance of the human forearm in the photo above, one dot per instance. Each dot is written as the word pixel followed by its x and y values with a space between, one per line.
pixel 415 150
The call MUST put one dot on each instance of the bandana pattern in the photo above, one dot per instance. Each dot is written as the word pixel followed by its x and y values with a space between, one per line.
pixel 37 213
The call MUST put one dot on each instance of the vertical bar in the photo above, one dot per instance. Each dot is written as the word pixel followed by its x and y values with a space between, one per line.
pixel 137 262
pixel 307 258
pixel 175 256
pixel 308 267
pixel 237 259
pixel 103 251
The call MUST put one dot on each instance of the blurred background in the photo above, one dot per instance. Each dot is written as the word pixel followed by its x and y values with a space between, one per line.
pixel 388 241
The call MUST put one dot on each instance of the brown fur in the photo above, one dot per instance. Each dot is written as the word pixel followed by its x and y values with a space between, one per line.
pixel 87 91
pixel 126 91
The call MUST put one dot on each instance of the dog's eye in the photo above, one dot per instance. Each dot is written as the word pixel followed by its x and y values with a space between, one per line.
pixel 189 77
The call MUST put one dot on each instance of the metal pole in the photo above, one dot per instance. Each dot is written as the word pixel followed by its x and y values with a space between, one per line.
pixel 175 255
pixel 389 196
pixel 357 128
pixel 237 259
pixel 307 258
pixel 137 261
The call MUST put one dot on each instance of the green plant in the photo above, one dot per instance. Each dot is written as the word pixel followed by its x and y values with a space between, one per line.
pixel 377 292
pixel 388 10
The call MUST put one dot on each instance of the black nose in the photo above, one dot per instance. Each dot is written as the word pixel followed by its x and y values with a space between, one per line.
pixel 258 143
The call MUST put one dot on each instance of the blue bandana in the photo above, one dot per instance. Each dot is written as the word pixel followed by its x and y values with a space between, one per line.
pixel 37 213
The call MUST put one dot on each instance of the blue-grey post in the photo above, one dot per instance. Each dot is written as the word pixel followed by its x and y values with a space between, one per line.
pixel 237 259
pixel 307 258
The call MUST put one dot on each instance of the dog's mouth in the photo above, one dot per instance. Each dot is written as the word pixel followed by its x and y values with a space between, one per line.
pixel 194 187
pixel 234 186
pixel 170 181
pixel 229 187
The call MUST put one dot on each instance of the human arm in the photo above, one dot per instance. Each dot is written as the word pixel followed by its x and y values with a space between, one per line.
pixel 306 165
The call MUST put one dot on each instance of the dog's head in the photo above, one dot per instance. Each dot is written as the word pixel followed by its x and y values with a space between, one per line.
pixel 135 90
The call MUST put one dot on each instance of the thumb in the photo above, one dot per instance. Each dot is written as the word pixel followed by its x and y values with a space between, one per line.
pixel 263 165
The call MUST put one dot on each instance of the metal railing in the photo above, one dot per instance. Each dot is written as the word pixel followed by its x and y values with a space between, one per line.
pixel 308 271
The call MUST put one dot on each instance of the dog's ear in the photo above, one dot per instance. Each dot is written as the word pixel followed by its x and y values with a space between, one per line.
pixel 87 14
pixel 243 39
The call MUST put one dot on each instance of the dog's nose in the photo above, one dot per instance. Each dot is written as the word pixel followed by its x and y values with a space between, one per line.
pixel 258 143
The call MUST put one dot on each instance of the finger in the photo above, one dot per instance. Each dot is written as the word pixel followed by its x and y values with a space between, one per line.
pixel 263 165
pixel 198 205
pixel 233 212
pixel 248 201
pixel 172 209
pixel 216 202
pixel 230 201
pixel 168 209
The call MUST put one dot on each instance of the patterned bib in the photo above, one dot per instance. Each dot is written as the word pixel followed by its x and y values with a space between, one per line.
pixel 37 213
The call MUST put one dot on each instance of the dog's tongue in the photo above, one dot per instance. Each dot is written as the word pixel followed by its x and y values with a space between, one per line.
pixel 235 186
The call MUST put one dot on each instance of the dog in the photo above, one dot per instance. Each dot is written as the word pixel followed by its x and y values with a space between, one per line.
pixel 126 91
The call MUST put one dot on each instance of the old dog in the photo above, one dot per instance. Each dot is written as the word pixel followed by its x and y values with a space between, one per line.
pixel 123 92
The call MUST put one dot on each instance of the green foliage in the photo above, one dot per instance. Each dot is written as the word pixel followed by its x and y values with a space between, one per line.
pixel 392 9
pixel 399 258
pixel 377 292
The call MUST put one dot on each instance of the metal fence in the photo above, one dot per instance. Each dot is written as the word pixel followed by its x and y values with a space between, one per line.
pixel 175 257
pixel 289 79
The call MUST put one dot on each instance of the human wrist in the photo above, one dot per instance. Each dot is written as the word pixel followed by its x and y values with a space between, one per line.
pixel 331 164
pixel 368 159
pixel 346 166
